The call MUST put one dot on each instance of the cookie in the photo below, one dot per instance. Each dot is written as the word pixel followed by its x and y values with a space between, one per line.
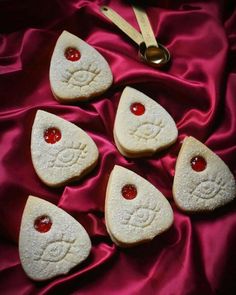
pixel 142 126
pixel 202 181
pixel 135 211
pixel 51 242
pixel 78 71
pixel 60 151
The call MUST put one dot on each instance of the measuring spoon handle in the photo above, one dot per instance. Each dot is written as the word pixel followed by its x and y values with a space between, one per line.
pixel 122 24
pixel 145 26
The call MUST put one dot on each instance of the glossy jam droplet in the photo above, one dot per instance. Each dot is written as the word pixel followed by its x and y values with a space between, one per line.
pixel 129 191
pixel 52 135
pixel 43 224
pixel 198 163
pixel 72 54
pixel 137 108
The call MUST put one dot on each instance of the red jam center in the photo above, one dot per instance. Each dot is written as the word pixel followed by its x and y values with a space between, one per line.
pixel 42 224
pixel 198 163
pixel 137 108
pixel 129 191
pixel 72 54
pixel 52 135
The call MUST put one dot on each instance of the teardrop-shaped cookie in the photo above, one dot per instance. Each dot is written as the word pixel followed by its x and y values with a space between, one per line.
pixel 135 211
pixel 142 126
pixel 51 242
pixel 202 181
pixel 77 70
pixel 60 151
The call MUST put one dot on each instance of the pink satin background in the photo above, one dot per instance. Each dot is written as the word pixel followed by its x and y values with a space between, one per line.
pixel 197 255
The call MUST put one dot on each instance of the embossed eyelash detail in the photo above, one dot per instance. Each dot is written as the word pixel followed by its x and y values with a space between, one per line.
pixel 81 76
pixel 209 187
pixel 69 156
pixel 141 215
pixel 55 250
pixel 147 130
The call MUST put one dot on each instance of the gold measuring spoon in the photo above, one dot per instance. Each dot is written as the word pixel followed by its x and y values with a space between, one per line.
pixel 151 51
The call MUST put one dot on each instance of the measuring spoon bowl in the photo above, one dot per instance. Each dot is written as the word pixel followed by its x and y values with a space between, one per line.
pixel 155 56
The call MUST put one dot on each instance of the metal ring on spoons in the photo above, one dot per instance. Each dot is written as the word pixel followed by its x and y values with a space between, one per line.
pixel 155 56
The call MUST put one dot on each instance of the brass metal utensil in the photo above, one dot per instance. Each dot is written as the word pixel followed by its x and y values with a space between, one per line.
pixel 150 51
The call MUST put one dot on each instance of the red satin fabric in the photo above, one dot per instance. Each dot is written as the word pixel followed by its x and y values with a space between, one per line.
pixel 197 255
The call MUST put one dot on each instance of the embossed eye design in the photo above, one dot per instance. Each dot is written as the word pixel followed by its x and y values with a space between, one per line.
pixel 147 130
pixel 69 156
pixel 80 77
pixel 141 216
pixel 209 188
pixel 56 251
